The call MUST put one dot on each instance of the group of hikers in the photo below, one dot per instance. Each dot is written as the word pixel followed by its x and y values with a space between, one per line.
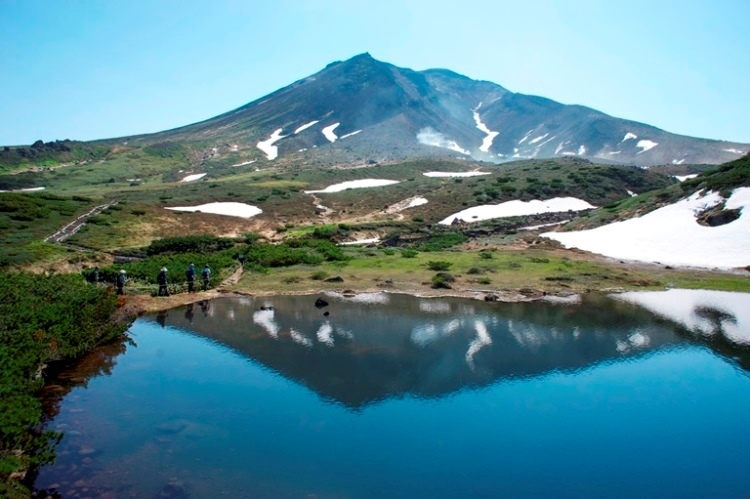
pixel 161 279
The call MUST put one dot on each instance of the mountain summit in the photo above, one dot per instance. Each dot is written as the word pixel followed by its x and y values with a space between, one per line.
pixel 363 108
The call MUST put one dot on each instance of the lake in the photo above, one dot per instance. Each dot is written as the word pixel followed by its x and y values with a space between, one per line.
pixel 381 395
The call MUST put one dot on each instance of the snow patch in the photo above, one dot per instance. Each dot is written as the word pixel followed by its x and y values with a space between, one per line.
pixel 518 208
pixel 305 126
pixel 231 209
pixel 416 202
pixel 734 151
pixel 582 150
pixel 454 174
pixel 629 136
pixel 683 178
pixel 614 152
pixel 354 184
pixel 430 137
pixel 328 132
pixel 678 162
pixel 537 139
pixel 193 177
pixel 268 147
pixel 487 141
pixel 645 145
pixel 349 134
pixel 27 189
pixel 360 241
pixel 245 163
pixel 671 235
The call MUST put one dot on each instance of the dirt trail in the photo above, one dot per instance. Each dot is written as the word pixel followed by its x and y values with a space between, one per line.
pixel 73 227
pixel 140 304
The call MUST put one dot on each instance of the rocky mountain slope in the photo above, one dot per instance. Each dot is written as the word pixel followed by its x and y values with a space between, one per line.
pixel 363 109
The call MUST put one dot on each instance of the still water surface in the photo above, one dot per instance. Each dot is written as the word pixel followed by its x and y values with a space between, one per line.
pixel 398 396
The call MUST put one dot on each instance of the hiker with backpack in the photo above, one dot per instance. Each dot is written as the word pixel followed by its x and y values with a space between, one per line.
pixel 206 275
pixel 190 274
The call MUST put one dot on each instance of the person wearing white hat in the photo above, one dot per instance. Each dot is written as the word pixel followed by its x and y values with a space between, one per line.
pixel 120 282
pixel 161 279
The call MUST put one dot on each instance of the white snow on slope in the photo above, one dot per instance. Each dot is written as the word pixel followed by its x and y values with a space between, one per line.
pixel 231 209
pixel 349 134
pixel 678 161
pixel 683 178
pixel 454 174
pixel 360 241
pixel 487 141
pixel 430 137
pixel 355 184
pixel 692 309
pixel 582 150
pixel 27 189
pixel 517 208
pixel 192 177
pixel 305 126
pixel 416 202
pixel 244 163
pixel 735 151
pixel 328 132
pixel 267 145
pixel 645 145
pixel 629 136
pixel 671 235
pixel 537 139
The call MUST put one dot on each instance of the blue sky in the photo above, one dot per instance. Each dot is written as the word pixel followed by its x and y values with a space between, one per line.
pixel 92 69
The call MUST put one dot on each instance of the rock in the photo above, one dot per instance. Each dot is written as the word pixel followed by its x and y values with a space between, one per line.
pixel 349 293
pixel 491 297
pixel 326 313
pixel 320 303
pixel 337 278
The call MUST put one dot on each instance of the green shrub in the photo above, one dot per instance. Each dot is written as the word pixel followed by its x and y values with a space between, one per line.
pixel 439 265
pixel 42 318
pixel 409 253
pixel 189 244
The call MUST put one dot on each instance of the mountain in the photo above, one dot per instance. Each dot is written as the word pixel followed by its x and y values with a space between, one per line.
pixel 364 109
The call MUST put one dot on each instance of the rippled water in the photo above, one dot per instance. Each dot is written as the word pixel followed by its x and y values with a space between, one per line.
pixel 396 396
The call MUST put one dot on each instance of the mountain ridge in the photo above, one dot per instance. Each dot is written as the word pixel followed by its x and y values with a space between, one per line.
pixel 365 110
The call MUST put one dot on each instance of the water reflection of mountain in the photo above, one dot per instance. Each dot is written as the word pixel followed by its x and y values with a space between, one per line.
pixel 375 347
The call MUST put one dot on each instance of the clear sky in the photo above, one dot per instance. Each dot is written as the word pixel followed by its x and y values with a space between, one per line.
pixel 92 69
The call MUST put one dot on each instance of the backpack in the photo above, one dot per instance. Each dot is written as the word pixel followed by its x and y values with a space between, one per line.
pixel 206 273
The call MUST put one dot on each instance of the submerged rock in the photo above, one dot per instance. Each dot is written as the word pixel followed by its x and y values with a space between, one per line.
pixel 320 303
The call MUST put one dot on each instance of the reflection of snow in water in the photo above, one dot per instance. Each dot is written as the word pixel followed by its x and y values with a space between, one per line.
pixel 706 313
pixel 634 341
pixel 482 340
pixel 298 337
pixel 325 334
pixel 425 334
pixel 526 335
pixel 379 298
pixel 434 306
pixel 265 319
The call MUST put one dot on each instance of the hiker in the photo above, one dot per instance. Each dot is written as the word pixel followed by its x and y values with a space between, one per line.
pixel 161 279
pixel 93 276
pixel 190 274
pixel 120 282
pixel 206 274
